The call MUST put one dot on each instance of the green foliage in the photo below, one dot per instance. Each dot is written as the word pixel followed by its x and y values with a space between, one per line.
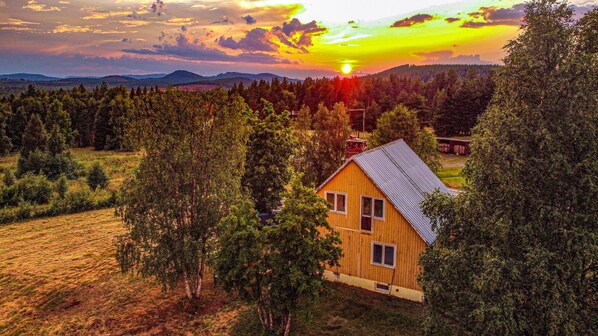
pixel 516 252
pixel 270 147
pixel 323 151
pixel 35 189
pixel 58 118
pixel 278 267
pixel 97 177
pixel 61 186
pixel 56 142
pixel 8 178
pixel 195 147
pixel 401 123
pixel 35 137
pixel 5 141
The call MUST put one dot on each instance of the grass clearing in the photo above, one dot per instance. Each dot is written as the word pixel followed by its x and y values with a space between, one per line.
pixel 58 276
pixel 450 173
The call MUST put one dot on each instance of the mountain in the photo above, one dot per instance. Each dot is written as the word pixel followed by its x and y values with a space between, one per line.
pixel 427 72
pixel 177 77
pixel 28 77
pixel 147 76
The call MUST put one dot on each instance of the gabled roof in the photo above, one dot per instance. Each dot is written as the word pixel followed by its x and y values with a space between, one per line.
pixel 403 178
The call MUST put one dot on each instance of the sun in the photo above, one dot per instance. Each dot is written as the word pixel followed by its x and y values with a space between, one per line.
pixel 346 68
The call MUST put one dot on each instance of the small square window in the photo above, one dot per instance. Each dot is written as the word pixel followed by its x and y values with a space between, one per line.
pixel 383 254
pixel 379 208
pixel 340 203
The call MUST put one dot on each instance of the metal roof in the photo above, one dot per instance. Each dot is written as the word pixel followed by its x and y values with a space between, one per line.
pixel 403 178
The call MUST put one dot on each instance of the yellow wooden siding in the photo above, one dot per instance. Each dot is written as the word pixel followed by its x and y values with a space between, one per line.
pixel 394 229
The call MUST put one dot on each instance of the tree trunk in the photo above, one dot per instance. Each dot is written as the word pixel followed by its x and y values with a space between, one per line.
pixel 287 328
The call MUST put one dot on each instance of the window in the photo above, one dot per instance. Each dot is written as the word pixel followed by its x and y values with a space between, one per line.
pixel 381 287
pixel 370 208
pixel 337 202
pixel 383 254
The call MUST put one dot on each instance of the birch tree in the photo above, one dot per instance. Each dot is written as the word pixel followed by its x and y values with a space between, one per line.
pixel 195 146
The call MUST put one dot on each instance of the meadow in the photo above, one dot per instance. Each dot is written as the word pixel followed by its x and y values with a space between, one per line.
pixel 58 276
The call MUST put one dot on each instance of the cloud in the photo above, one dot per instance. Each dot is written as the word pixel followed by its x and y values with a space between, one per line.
pixel 70 29
pixel 298 35
pixel 446 57
pixel 257 39
pixel 451 19
pixel 158 7
pixel 38 7
pixel 2 4
pixel 293 34
pixel 493 16
pixel 411 21
pixel 249 19
pixel 184 46
pixel 224 20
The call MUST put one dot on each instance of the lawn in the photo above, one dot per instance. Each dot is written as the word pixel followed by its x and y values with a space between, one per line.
pixel 59 276
pixel 450 173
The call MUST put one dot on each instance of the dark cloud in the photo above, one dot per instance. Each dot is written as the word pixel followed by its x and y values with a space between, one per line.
pixel 158 7
pixel 249 19
pixel 126 40
pixel 298 35
pixel 184 46
pixel 411 21
pixel 257 39
pixel 447 57
pixel 224 20
pixel 183 28
pixel 293 34
pixel 451 19
pixel 493 16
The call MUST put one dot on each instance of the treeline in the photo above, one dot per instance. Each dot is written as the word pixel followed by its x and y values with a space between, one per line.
pixel 448 103
pixel 94 118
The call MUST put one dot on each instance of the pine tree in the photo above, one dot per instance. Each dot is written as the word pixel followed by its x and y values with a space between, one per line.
pixel 516 252
pixel 57 116
pixel 34 137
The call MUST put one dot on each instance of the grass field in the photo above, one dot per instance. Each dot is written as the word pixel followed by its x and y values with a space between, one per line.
pixel 118 165
pixel 58 276
pixel 450 173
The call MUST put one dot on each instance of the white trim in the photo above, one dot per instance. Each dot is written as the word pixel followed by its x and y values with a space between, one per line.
pixel 374 208
pixel 361 215
pixel 394 259
pixel 396 291
pixel 335 204
pixel 372 213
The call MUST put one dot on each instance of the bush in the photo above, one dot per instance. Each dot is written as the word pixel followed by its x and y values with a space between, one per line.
pixel 61 186
pixel 35 162
pixel 53 166
pixel 8 196
pixel 24 211
pixel 9 177
pixel 97 177
pixel 35 189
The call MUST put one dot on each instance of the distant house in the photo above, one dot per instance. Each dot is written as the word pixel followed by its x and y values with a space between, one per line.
pixel 454 146
pixel 375 206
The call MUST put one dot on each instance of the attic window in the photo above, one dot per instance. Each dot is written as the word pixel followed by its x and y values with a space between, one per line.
pixel 337 202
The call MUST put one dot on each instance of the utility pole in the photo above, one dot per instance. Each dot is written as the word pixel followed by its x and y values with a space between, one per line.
pixel 362 120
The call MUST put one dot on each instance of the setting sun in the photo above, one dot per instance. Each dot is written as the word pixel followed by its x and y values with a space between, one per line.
pixel 346 69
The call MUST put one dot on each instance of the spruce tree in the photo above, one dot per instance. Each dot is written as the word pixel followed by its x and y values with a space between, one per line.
pixel 34 137
pixel 516 252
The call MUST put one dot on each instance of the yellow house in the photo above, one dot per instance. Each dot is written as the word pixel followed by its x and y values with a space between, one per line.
pixel 375 206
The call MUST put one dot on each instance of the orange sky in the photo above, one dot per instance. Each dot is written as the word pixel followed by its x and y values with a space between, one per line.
pixel 292 38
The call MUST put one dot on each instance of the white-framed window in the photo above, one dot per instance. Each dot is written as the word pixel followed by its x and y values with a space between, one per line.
pixel 337 202
pixel 371 208
pixel 383 255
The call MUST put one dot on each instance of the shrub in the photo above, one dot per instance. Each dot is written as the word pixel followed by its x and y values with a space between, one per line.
pixel 24 211
pixel 35 189
pixel 8 196
pixel 9 177
pixel 97 177
pixel 61 186
pixel 53 166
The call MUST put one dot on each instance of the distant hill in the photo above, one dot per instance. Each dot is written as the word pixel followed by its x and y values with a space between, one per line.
pixel 427 72
pixel 14 83
pixel 28 77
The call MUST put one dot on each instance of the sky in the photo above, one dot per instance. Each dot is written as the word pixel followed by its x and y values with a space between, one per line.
pixel 294 38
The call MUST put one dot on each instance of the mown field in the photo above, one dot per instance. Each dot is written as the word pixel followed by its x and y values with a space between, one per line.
pixel 58 276
pixel 450 173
